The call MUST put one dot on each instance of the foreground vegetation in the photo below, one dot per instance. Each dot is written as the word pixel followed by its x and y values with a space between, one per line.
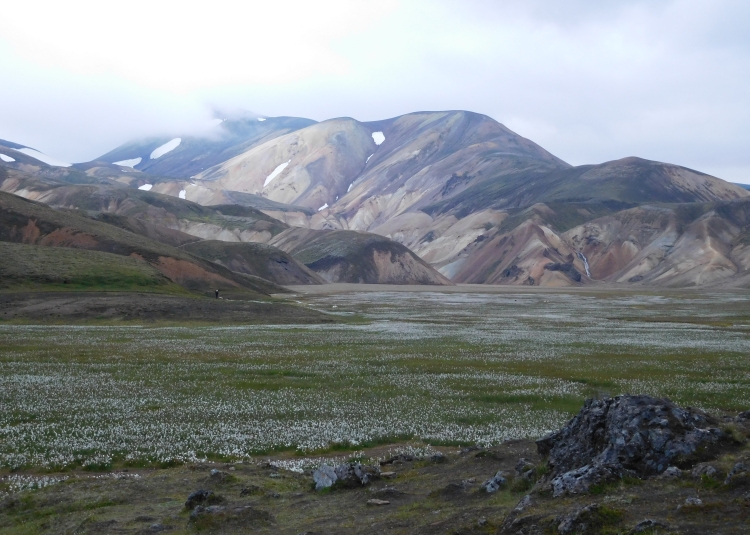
pixel 446 369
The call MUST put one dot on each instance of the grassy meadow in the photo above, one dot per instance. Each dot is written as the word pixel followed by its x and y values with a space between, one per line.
pixel 435 368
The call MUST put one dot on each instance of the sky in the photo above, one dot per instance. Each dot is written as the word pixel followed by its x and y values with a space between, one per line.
pixel 590 81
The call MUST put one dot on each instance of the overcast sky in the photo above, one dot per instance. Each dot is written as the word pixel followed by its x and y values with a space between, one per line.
pixel 590 81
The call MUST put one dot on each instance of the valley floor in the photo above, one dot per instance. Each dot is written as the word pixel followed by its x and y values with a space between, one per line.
pixel 438 369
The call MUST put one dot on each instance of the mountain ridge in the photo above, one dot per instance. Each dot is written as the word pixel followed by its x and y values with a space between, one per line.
pixel 472 198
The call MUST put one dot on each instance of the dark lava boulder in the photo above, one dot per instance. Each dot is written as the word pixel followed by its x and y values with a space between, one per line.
pixel 202 497
pixel 638 436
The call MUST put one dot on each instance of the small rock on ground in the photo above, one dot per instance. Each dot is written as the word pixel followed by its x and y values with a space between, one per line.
pixel 494 483
pixel 198 497
pixel 671 473
pixel 648 525
pixel 578 520
pixel 739 468
pixel 704 470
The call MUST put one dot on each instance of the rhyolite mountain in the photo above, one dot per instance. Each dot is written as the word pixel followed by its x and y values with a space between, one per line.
pixel 470 197
pixel 229 236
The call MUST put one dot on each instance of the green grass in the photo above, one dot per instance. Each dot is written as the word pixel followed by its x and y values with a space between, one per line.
pixel 31 267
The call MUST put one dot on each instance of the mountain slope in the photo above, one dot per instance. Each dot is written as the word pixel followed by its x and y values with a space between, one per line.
pixel 678 245
pixel 31 267
pixel 358 174
pixel 179 222
pixel 28 222
pixel 473 199
pixel 632 180
pixel 662 245
pixel 228 223
pixel 256 259
pixel 355 257
pixel 194 154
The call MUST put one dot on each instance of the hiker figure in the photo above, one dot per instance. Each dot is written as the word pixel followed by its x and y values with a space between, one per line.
pixel 217 294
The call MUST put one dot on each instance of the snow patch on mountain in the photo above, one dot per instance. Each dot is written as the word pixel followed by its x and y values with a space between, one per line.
pixel 129 163
pixel 378 137
pixel 146 187
pixel 323 207
pixel 276 172
pixel 167 147
pixel 368 158
pixel 350 187
pixel 182 193
pixel 261 119
pixel 6 158
pixel 43 157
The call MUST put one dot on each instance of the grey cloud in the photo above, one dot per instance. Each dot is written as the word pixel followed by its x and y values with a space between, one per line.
pixel 588 80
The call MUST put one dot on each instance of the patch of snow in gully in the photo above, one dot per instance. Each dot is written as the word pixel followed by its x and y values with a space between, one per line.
pixel 167 147
pixel 368 158
pixel 378 137
pixel 43 157
pixel 182 193
pixel 276 172
pixel 146 187
pixel 128 163
pixel 261 119
pixel 6 158
pixel 350 187
pixel 323 207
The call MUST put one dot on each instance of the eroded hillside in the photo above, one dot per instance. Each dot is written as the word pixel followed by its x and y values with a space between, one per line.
pixel 471 198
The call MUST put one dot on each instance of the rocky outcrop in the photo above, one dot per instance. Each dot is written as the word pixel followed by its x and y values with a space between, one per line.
pixel 637 436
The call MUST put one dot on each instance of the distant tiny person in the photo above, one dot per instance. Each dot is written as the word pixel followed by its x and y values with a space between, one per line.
pixel 217 294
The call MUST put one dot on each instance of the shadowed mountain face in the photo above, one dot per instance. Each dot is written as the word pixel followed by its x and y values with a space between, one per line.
pixel 347 256
pixel 257 259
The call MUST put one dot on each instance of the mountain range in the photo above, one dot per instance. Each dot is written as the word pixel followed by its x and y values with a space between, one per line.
pixel 424 198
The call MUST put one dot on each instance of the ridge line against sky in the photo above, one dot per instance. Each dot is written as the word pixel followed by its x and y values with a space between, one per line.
pixel 589 81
